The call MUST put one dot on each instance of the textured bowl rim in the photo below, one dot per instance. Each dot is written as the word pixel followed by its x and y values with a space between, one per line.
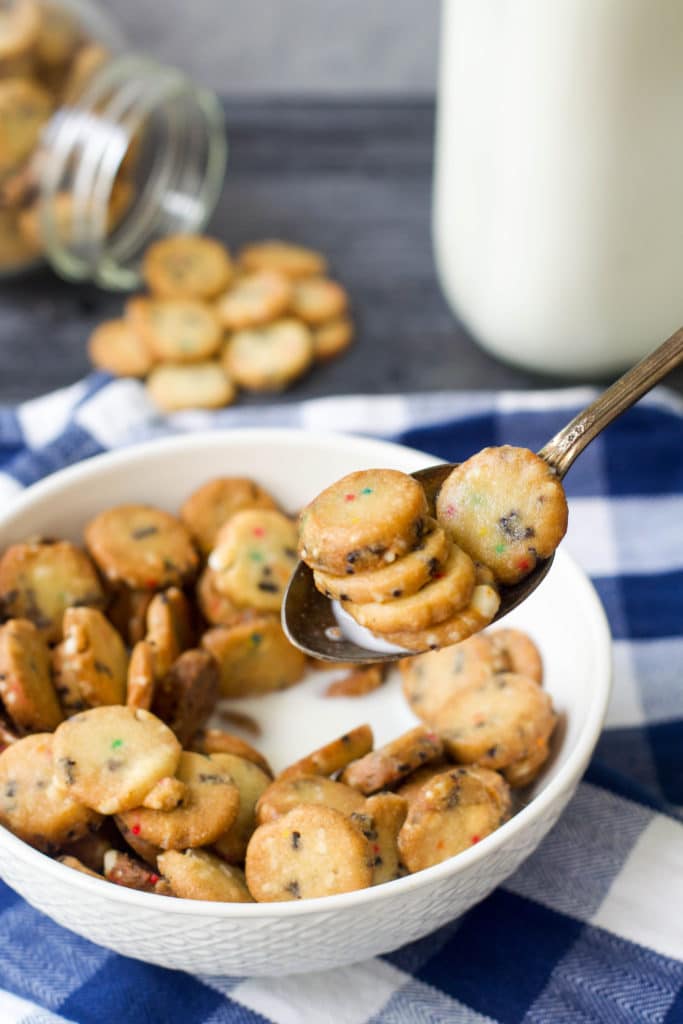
pixel 566 779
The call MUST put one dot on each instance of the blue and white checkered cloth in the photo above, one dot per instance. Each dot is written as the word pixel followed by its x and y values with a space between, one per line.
pixel 590 929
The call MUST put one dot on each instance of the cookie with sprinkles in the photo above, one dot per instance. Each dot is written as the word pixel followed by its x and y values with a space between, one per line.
pixel 254 657
pixel 506 507
pixel 380 821
pixel 362 522
pixel 141 547
pixel 515 651
pixel 187 266
pixel 109 758
pixel 334 756
pixel 38 581
pixel 199 875
pixel 388 765
pixel 401 578
pixel 270 357
pixel 311 851
pixel 431 679
pixel 91 663
pixel 122 869
pixel 211 808
pixel 454 811
pixel 254 557
pixel 26 686
pixel 481 611
pixel 217 608
pixel 211 505
pixel 283 795
pixel 31 803
pixel 251 782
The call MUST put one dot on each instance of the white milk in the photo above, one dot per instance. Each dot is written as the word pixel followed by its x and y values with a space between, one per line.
pixel 558 204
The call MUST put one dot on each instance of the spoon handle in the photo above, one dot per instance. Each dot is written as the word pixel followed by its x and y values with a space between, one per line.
pixel 569 442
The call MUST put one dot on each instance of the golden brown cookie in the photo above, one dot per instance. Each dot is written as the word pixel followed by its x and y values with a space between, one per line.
pixel 26 686
pixel 255 299
pixel 516 652
pixel 318 300
pixel 401 578
pixel 141 679
pixel 146 851
pixel 284 794
pixel 363 521
pixel 523 771
pixel 481 611
pixel 255 657
pixel 270 357
pixel 292 260
pixel 110 758
pixel 454 811
pixel 506 507
pixel 19 27
pixel 380 821
pixel 91 663
pixel 332 338
pixel 115 346
pixel 186 695
pixel 211 505
pixel 199 386
pixel 169 628
pixel 38 581
pixel 141 547
pixel 31 803
pixel 15 250
pixel 254 558
pixel 217 741
pixel 168 794
pixel 217 608
pixel 251 782
pixel 187 266
pixel 358 682
pixel 431 679
pixel 175 330
pixel 121 869
pixel 448 592
pixel 333 756
pixel 388 765
pixel 198 875
pixel 312 851
pixel 24 110
pixel 211 808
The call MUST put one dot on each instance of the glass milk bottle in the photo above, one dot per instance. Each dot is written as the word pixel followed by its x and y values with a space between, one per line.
pixel 558 194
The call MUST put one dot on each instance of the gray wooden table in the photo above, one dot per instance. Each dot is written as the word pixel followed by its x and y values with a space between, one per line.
pixel 350 178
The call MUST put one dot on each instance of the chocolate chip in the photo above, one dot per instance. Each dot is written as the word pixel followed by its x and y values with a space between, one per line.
pixel 114 763
pixel 270 588
pixel 296 836
pixel 396 593
pixel 353 557
pixel 144 531
pixel 290 552
pixel 103 669
pixel 67 765
pixel 212 779
pixel 10 789
pixel 293 889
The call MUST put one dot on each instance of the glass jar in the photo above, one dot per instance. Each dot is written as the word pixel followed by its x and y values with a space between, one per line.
pixel 101 151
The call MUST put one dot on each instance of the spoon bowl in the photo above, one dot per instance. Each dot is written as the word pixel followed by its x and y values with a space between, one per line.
pixel 308 617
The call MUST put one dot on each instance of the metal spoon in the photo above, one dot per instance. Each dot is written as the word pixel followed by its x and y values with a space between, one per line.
pixel 307 615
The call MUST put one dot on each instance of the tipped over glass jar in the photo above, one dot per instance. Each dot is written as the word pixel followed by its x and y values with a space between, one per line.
pixel 101 151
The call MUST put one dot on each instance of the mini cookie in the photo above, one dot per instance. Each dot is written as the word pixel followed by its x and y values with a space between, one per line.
pixel 449 592
pixel 77 865
pixel 26 686
pixel 31 803
pixel 454 811
pixel 254 558
pixel 211 505
pixel 216 741
pixel 39 581
pixel 358 683
pixel 332 338
pixel 185 697
pixel 217 608
pixel 255 299
pixel 389 764
pixel 506 507
pixel 317 300
pixel 19 27
pixel 110 758
pixel 400 578
pixel 255 657
pixel 413 785
pixel 121 869
pixel 251 782
pixel 198 875
pixel 516 652
pixel 127 612
pixel 363 521
pixel 523 772
pixel 200 386
pixel 146 851
pixel 479 613
pixel 142 547
pixel 333 756
pixel 187 266
pixel 284 794
pixel 115 346
pixel 380 822
pixel 141 679
pixel 91 663
pixel 430 680
pixel 24 110
pixel 292 260
pixel 212 807
pixel 176 330
pixel 169 628
pixel 168 794
pixel 269 358
pixel 312 851
pixel 496 722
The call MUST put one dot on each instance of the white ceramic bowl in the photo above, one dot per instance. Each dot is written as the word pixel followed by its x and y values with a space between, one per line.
pixel 564 616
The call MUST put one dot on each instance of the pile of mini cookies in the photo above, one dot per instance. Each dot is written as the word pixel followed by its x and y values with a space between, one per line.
pixel 426 575
pixel 113 659
pixel 211 326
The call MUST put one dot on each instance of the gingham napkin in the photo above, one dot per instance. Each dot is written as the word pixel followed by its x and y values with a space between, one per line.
pixel 590 928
